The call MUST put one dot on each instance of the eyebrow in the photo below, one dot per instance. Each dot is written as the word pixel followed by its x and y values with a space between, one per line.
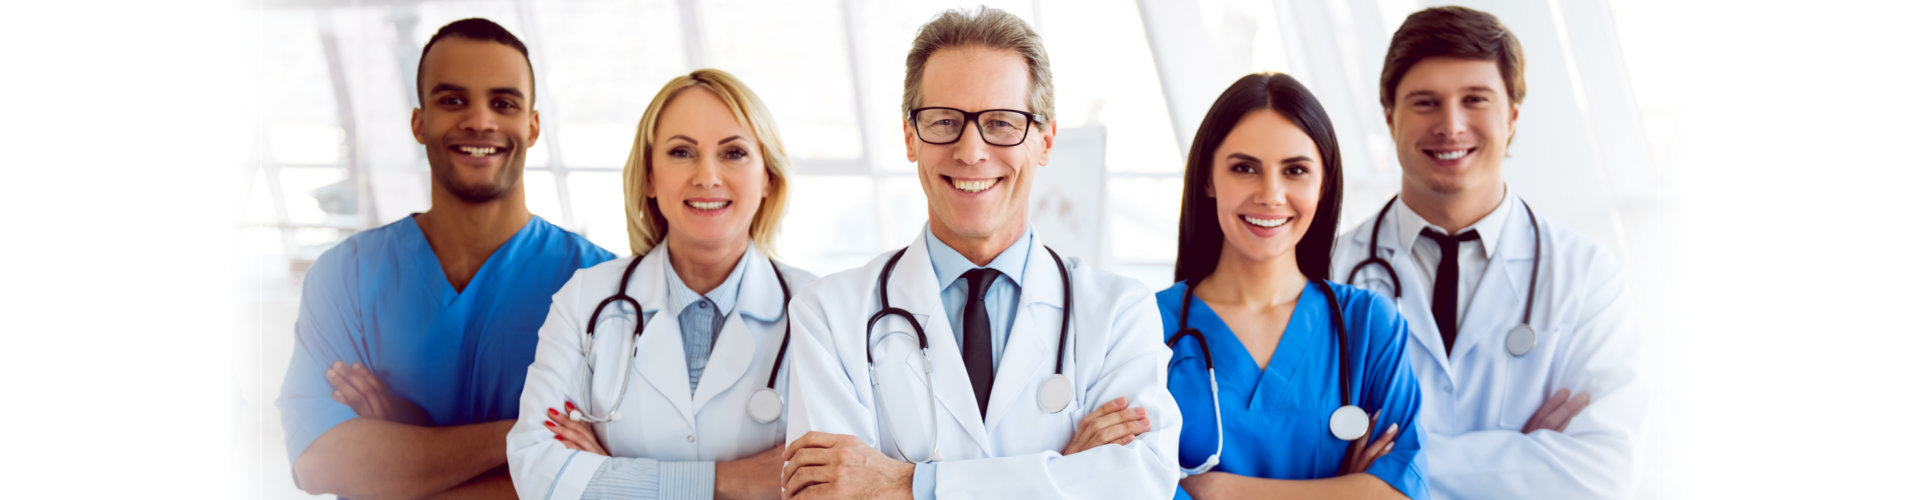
pixel 690 139
pixel 1247 157
pixel 448 87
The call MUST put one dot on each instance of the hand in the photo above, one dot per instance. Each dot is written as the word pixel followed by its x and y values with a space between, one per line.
pixel 575 434
pixel 1556 412
pixel 358 388
pixel 757 476
pixel 822 465
pixel 1361 453
pixel 1111 423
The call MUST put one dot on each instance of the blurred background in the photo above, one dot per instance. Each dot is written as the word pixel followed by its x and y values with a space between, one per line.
pixel 1729 153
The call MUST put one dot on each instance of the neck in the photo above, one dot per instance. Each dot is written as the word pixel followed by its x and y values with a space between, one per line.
pixel 1257 284
pixel 703 266
pixel 980 250
pixel 462 231
pixel 1453 211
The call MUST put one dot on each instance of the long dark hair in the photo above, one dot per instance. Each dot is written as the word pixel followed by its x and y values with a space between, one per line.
pixel 1200 236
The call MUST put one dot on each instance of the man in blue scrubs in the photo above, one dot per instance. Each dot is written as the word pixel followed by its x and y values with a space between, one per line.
pixel 414 338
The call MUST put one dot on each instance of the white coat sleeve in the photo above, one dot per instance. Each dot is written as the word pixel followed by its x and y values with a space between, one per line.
pixel 1134 366
pixel 541 466
pixel 824 395
pixel 1598 455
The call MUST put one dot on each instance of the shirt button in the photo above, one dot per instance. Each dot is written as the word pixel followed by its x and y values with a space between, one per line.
pixel 689 438
pixel 703 304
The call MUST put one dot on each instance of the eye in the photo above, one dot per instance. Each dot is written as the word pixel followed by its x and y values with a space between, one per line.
pixel 1475 99
pixel 1242 168
pixel 453 101
pixel 1423 103
pixel 1295 170
pixel 505 104
pixel 680 152
pixel 734 154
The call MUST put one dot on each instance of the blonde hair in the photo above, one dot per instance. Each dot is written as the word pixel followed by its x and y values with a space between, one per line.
pixel 646 226
pixel 983 27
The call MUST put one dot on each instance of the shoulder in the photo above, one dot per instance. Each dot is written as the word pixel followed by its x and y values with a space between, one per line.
pixel 556 241
pixel 1169 299
pixel 856 282
pixel 1105 289
pixel 346 260
pixel 795 277
pixel 1575 255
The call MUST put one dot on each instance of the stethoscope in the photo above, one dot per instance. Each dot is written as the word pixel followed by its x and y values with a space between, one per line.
pixel 1521 338
pixel 764 405
pixel 1348 422
pixel 1055 392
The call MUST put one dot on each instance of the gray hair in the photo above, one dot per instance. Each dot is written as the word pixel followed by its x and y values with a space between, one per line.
pixel 984 27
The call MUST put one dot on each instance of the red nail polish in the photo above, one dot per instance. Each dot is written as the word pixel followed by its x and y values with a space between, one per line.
pixel 569 406
pixel 557 436
pixel 549 423
pixel 551 412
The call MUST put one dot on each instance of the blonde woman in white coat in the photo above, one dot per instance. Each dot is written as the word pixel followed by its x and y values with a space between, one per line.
pixel 691 406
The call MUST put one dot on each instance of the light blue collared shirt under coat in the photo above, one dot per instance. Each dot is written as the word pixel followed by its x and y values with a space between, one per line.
pixel 1003 301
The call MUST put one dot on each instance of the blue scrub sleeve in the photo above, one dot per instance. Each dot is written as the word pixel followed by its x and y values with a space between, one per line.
pixel 1390 385
pixel 327 330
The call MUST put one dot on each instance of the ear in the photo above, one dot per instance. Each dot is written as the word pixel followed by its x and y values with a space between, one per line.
pixel 913 141
pixel 418 122
pixel 533 136
pixel 1513 120
pixel 1046 142
pixel 1389 114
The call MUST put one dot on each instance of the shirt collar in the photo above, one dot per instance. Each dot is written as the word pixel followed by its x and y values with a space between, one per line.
pixel 679 296
pixel 948 264
pixel 1489 227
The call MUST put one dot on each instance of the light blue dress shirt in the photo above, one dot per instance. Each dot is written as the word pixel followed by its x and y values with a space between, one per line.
pixel 700 319
pixel 1003 301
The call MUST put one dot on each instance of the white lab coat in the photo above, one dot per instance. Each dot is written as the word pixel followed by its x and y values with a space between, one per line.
pixel 1114 350
pixel 660 418
pixel 1476 402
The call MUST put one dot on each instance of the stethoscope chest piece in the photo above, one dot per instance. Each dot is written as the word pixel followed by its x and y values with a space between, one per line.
pixel 764 405
pixel 1348 422
pixel 1520 340
pixel 1055 392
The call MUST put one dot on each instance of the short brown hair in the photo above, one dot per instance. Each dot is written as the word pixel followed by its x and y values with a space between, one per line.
pixel 1453 31
pixel 984 27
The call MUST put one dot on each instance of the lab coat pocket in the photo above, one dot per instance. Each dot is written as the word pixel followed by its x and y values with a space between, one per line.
pixel 1528 378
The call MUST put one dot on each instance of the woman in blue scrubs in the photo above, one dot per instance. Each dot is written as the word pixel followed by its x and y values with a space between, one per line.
pixel 1257 224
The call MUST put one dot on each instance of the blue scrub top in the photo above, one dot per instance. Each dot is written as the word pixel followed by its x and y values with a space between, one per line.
pixel 382 300
pixel 1276 419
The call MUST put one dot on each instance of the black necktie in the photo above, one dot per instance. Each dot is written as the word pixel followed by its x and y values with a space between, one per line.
pixel 977 348
pixel 1446 283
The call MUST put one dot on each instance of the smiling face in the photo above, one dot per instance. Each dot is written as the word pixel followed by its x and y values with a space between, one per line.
pixel 977 191
pixel 705 172
pixel 476 119
pixel 1266 184
pixel 1451 122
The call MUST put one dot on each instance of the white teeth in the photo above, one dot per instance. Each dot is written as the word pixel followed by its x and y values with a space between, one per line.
pixel 477 152
pixel 707 205
pixel 1452 155
pixel 1268 223
pixel 972 186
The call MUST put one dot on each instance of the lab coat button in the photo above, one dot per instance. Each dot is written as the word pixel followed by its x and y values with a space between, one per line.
pixel 689 438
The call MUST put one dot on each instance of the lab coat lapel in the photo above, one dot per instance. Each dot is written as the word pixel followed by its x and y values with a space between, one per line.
pixel 1033 340
pixel 738 344
pixel 1496 303
pixel 661 360
pixel 918 290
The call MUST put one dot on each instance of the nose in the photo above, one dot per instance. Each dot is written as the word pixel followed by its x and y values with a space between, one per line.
pixel 479 119
pixel 1271 194
pixel 1453 121
pixel 971 149
pixel 706 172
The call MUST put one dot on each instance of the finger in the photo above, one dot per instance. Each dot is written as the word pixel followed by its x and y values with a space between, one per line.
pixel 809 457
pixel 812 439
pixel 362 381
pixel 1386 438
pixel 1103 428
pixel 1547 407
pixel 1560 418
pixel 1115 405
pixel 368 375
pixel 1116 433
pixel 807 477
pixel 353 399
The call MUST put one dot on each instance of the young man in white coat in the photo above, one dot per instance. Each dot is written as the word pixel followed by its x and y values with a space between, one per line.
pixel 1527 358
pixel 961 389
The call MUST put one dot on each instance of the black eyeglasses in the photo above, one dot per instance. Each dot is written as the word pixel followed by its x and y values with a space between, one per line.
pixel 999 127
